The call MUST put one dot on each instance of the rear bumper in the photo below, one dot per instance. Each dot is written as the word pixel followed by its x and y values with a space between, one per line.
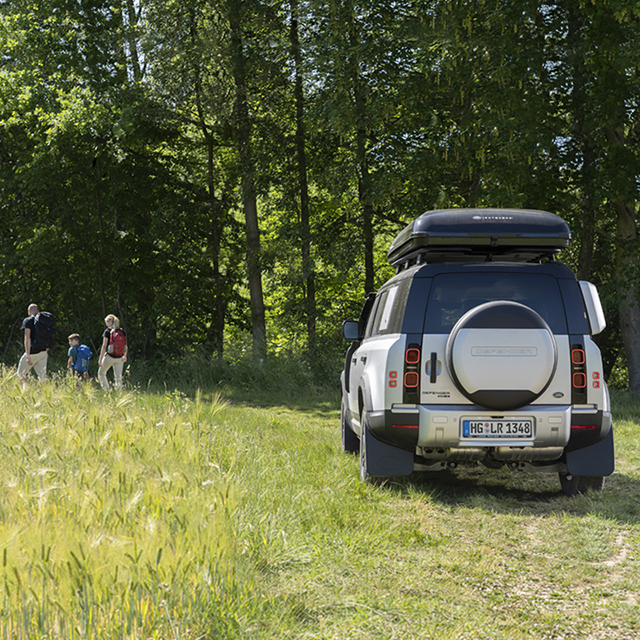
pixel 588 428
pixel 439 426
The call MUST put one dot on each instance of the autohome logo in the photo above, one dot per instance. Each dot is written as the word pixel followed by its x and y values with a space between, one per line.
pixel 525 352
pixel 492 217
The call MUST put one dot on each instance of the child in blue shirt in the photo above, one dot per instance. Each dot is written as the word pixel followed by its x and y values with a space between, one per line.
pixel 78 356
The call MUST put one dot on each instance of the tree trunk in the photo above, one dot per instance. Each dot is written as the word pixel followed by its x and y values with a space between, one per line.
pixel 246 160
pixel 627 265
pixel 364 177
pixel 308 267
pixel 214 248
pixel 580 104
pixel 130 28
pixel 364 193
pixel 98 180
pixel 214 228
pixel 587 237
pixel 628 308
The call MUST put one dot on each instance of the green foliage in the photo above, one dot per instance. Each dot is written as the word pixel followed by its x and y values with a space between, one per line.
pixel 120 176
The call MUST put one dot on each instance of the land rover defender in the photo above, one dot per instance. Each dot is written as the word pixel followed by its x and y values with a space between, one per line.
pixel 479 350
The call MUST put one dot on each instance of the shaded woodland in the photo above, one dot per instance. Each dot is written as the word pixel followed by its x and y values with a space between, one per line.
pixel 226 175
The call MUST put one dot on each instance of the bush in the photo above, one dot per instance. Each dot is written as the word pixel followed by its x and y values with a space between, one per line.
pixel 282 378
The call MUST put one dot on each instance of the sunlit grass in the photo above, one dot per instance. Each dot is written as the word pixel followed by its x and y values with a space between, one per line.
pixel 114 515
pixel 157 515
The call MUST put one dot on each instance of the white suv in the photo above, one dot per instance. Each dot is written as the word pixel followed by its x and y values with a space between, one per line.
pixel 479 350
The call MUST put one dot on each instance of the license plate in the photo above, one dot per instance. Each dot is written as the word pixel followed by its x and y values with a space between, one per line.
pixel 507 428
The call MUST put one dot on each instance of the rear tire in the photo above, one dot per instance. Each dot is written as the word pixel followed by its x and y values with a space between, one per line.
pixel 350 442
pixel 569 484
pixel 365 476
pixel 592 483
pixel 572 485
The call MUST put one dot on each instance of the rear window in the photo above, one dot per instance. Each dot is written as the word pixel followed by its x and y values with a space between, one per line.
pixel 453 294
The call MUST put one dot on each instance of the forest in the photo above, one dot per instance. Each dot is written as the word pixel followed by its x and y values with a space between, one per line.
pixel 226 175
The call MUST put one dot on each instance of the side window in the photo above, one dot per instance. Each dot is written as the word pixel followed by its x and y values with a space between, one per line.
pixel 381 308
pixel 374 313
pixel 399 306
pixel 365 314
pixel 390 309
pixel 382 325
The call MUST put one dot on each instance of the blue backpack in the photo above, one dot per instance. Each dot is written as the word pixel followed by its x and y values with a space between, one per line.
pixel 83 353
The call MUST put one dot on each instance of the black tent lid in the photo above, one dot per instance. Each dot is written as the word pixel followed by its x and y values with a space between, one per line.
pixel 481 231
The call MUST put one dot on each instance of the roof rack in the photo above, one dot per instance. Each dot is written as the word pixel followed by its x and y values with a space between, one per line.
pixel 466 235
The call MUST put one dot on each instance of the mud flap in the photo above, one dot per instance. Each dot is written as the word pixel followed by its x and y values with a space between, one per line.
pixel 595 460
pixel 384 460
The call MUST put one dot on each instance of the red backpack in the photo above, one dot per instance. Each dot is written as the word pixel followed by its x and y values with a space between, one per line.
pixel 117 343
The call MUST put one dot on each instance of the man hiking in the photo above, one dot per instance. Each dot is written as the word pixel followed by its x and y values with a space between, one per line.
pixel 37 341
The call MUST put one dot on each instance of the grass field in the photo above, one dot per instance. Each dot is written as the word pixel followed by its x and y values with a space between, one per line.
pixel 153 515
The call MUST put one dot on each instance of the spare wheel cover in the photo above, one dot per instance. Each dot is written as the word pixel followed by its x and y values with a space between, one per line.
pixel 501 355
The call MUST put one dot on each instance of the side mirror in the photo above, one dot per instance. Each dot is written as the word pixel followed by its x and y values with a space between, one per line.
pixel 594 307
pixel 351 330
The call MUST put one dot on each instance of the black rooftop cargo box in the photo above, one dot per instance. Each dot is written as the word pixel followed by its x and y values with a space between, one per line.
pixel 467 234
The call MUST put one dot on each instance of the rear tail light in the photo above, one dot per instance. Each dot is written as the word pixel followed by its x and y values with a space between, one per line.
pixel 412 356
pixel 579 378
pixel 411 378
pixel 577 356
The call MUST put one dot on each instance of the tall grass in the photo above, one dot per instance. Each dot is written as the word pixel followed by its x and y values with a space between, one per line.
pixel 286 377
pixel 152 514
pixel 115 518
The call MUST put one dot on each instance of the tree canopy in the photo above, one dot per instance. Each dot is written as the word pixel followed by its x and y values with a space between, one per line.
pixel 226 175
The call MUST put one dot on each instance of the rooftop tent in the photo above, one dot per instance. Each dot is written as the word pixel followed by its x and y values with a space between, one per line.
pixel 464 234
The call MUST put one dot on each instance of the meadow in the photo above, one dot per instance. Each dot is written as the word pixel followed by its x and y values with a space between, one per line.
pixel 156 513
